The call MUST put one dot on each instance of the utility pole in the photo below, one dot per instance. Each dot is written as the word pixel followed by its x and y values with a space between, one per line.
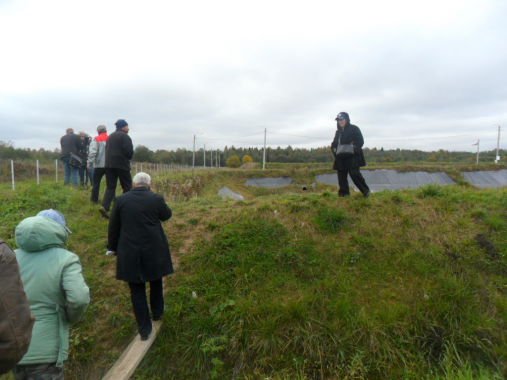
pixel 498 146
pixel 264 159
pixel 478 144
pixel 193 157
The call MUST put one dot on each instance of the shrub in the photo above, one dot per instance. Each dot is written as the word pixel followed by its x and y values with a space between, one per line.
pixel 233 162
pixel 247 159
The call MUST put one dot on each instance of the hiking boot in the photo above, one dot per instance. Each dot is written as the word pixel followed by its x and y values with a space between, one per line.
pixel 104 212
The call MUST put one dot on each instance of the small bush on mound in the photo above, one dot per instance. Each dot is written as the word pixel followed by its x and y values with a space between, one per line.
pixel 247 159
pixel 233 162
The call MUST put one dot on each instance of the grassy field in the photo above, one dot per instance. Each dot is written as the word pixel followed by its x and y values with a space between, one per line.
pixel 295 284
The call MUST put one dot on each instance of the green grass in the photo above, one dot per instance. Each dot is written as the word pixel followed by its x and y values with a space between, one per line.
pixel 301 285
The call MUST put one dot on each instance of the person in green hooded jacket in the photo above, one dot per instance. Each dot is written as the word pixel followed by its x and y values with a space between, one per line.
pixel 56 291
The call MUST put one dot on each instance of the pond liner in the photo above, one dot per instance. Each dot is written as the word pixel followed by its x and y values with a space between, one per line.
pixel 487 179
pixel 270 183
pixel 225 192
pixel 387 179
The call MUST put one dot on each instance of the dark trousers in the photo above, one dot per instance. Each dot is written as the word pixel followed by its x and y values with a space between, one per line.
pixel 82 172
pixel 356 177
pixel 46 371
pixel 98 173
pixel 112 176
pixel 140 304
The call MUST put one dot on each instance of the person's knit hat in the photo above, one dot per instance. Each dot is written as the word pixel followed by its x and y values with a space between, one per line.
pixel 343 115
pixel 120 123
pixel 101 128
pixel 56 216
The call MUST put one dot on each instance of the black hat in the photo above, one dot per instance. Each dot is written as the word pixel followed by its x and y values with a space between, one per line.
pixel 343 115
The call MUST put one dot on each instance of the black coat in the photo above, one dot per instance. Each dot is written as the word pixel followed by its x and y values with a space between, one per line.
pixel 351 135
pixel 119 150
pixel 136 235
pixel 71 143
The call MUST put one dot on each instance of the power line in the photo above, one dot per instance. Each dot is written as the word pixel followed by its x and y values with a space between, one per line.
pixel 437 138
pixel 229 138
pixel 429 138
pixel 307 137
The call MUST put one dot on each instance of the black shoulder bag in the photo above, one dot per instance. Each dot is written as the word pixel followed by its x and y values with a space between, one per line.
pixel 75 160
pixel 344 150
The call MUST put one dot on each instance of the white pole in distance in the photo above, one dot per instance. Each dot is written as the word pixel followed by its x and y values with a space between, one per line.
pixel 12 172
pixel 193 156
pixel 204 156
pixel 498 147
pixel 264 158
pixel 477 143
pixel 38 181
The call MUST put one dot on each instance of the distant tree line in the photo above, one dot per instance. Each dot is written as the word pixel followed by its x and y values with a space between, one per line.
pixel 302 155
pixel 9 152
pixel 276 155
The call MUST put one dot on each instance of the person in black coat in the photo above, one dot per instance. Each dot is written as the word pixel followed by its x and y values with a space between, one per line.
pixel 347 133
pixel 119 152
pixel 143 255
pixel 71 144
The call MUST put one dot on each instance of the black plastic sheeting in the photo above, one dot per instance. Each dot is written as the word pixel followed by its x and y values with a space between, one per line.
pixel 225 192
pixel 487 179
pixel 270 183
pixel 385 179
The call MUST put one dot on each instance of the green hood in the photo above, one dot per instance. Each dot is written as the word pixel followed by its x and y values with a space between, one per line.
pixel 39 233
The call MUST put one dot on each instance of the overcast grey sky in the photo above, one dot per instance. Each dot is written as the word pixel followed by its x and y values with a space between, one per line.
pixel 402 69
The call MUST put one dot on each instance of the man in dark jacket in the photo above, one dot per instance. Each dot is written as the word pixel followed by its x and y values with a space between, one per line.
pixel 71 144
pixel 84 172
pixel 347 133
pixel 136 235
pixel 16 322
pixel 119 152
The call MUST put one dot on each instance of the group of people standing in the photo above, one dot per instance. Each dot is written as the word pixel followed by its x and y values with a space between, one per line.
pixel 43 288
pixel 105 155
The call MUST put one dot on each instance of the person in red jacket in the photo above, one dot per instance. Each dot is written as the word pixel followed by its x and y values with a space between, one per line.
pixel 97 159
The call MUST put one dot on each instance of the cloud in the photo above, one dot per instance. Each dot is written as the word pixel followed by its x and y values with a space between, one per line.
pixel 229 69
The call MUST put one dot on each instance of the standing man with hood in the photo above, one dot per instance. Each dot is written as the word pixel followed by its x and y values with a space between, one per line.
pixel 97 159
pixel 349 134
pixel 56 289
pixel 119 152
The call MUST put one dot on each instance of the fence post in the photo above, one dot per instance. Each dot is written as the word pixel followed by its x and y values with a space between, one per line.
pixel 38 181
pixel 12 172
pixel 56 170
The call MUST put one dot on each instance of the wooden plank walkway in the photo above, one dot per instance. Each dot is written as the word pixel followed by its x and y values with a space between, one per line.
pixel 132 356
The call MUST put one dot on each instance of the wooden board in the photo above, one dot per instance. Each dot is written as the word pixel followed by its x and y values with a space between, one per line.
pixel 132 356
